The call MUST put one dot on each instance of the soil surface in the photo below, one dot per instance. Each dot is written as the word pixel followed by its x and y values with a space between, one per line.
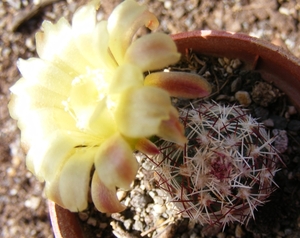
pixel 23 207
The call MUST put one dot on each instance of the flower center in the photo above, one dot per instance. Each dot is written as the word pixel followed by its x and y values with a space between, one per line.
pixel 89 102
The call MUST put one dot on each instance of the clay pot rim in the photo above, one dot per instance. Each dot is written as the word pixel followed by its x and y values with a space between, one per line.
pixel 207 34
pixel 274 63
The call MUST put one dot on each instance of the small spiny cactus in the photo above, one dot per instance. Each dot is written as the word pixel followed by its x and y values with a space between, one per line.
pixel 224 171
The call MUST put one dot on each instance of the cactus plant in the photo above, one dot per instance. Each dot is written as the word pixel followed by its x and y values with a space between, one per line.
pixel 224 171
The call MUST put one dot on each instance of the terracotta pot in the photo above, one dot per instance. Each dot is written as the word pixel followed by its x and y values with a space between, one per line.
pixel 275 65
pixel 65 224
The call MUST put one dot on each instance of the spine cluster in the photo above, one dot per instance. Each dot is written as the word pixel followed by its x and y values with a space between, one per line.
pixel 224 171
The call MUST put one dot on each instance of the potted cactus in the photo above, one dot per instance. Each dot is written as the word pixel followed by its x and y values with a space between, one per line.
pixel 85 128
pixel 226 169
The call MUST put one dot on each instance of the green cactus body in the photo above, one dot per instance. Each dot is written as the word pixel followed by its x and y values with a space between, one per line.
pixel 225 170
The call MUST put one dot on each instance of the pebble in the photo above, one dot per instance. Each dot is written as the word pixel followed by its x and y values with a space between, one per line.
pixel 243 97
pixel 36 2
pixel 152 194
pixel 158 200
pixel 11 172
pixel 29 42
pixel 291 110
pixel 264 94
pixel 268 123
pixel 178 12
pixel 296 159
pixel 221 235
pixel 294 125
pixel 261 113
pixel 168 4
pixel 13 192
pixel 159 209
pixel 83 216
pixel 138 225
pixel 239 233
pixel 235 63
pixel 236 84
pixel 15 4
pixel 121 194
pixel 127 224
pixel 288 231
pixel 194 235
pixel 92 221
pixel 281 141
pixel 279 122
pixel 229 69
pixel 33 202
pixel 221 61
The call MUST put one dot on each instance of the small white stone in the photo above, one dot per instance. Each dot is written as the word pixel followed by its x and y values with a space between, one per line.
pixel 158 200
pixel 36 2
pixel 13 192
pixel 159 209
pixel 284 11
pixel 121 195
pixel 33 203
pixel 128 223
pixel 235 63
pixel 11 172
pixel 152 194
pixel 168 4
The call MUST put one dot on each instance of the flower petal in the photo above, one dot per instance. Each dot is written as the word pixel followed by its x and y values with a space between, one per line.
pixel 71 186
pixel 141 110
pixel 147 147
pixel 45 74
pixel 105 198
pixel 27 96
pixel 36 124
pixel 180 84
pixel 172 130
pixel 115 164
pixel 101 122
pixel 123 23
pixel 84 98
pixel 86 29
pixel 126 76
pixel 83 25
pixel 84 20
pixel 56 44
pixel 153 51
pixel 45 158
pixel 50 37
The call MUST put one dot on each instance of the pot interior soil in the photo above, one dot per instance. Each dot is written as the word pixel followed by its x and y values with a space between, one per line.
pixel 147 214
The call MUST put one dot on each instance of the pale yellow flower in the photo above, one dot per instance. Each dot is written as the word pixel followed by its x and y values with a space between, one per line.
pixel 83 107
